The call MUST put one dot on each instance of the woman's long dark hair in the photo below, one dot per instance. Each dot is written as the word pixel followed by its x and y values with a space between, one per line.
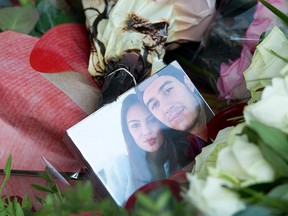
pixel 145 168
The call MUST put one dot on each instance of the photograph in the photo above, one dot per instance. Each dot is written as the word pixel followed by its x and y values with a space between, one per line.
pixel 149 133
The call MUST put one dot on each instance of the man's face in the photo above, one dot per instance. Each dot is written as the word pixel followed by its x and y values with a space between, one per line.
pixel 172 102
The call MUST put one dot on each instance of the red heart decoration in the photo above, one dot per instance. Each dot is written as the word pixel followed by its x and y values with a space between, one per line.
pixel 62 48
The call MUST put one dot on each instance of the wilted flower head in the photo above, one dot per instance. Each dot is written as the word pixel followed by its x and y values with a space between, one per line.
pixel 142 28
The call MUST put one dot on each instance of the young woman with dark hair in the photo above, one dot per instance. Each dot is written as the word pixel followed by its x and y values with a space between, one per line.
pixel 155 151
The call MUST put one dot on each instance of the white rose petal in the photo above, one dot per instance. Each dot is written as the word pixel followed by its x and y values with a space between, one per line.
pixel 228 163
pixel 272 111
pixel 211 198
pixel 252 162
pixel 233 135
pixel 266 65
pixel 279 87
pixel 207 157
pixel 243 161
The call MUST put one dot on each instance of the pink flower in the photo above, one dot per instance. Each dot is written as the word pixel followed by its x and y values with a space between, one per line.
pixel 231 83
pixel 263 20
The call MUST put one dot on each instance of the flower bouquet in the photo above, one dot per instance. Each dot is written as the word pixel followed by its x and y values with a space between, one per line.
pixel 231 84
pixel 244 171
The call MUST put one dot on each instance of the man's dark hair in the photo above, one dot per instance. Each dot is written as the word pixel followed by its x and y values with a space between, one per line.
pixel 169 70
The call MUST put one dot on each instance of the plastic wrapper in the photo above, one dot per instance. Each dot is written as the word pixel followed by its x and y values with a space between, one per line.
pixel 230 43
pixel 129 39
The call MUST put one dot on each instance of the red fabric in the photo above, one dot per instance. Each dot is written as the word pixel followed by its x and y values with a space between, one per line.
pixel 34 113
pixel 62 48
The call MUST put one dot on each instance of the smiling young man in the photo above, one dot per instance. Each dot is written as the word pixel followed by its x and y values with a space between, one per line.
pixel 173 99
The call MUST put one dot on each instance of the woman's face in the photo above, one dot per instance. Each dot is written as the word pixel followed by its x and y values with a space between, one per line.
pixel 144 128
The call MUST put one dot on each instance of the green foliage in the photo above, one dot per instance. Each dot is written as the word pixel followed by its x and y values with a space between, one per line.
pixel 53 14
pixel 7 172
pixel 26 3
pixel 273 144
pixel 280 191
pixel 19 19
pixel 79 199
pixel 35 18
pixel 279 165
pixel 159 202
pixel 11 205
pixel 255 210
pixel 76 200
pixel 272 137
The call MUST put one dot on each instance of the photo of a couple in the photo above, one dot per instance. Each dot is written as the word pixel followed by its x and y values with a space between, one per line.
pixel 163 122
pixel 164 125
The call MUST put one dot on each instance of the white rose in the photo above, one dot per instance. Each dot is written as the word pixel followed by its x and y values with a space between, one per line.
pixel 243 162
pixel 272 109
pixel 266 65
pixel 208 156
pixel 211 198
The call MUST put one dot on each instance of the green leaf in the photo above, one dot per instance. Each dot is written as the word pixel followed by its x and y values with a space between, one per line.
pixel 26 203
pixel 277 12
pixel 19 19
pixel 47 15
pixel 163 200
pixel 252 136
pixel 263 188
pixel 279 204
pixel 2 207
pixel 43 189
pixel 18 209
pixel 145 201
pixel 55 188
pixel 46 177
pixel 27 3
pixel 53 13
pixel 7 171
pixel 10 209
pixel 2 203
pixel 273 137
pixel 40 200
pixel 254 210
pixel 281 191
pixel 280 166
pixel 260 198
